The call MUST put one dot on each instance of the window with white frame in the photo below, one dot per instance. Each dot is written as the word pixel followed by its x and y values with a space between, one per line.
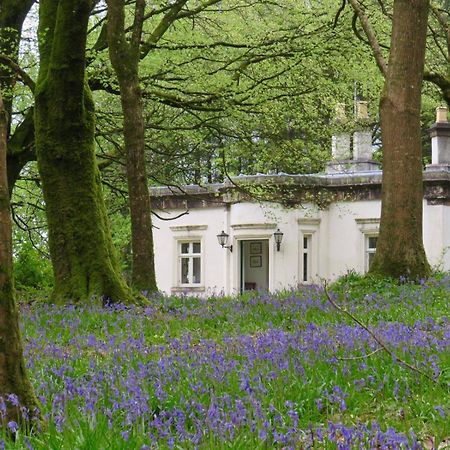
pixel 371 247
pixel 308 247
pixel 368 244
pixel 190 263
pixel 306 258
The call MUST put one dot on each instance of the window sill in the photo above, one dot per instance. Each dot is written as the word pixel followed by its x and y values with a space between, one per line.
pixel 182 289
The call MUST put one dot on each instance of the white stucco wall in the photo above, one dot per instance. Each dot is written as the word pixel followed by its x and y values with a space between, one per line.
pixel 337 241
pixel 436 234
pixel 201 224
pixel 446 239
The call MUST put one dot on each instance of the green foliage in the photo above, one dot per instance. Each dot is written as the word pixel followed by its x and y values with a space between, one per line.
pixel 120 232
pixel 353 282
pixel 32 269
pixel 246 88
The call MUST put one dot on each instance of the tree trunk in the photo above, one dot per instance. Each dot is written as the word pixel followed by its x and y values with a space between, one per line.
pixel 400 250
pixel 12 15
pixel 125 60
pixel 13 374
pixel 20 150
pixel 83 257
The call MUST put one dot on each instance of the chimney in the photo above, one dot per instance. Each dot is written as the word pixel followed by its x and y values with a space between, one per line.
pixel 440 138
pixel 362 140
pixel 340 146
pixel 362 113
pixel 362 161
pixel 340 143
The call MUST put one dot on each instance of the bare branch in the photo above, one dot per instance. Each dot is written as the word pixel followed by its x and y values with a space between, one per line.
pixel 376 338
pixel 443 83
pixel 445 26
pixel 368 355
pixel 170 17
pixel 371 36
pixel 26 79
pixel 339 11
pixel 170 218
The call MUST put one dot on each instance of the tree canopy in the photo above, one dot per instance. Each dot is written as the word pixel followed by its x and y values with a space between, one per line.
pixel 227 87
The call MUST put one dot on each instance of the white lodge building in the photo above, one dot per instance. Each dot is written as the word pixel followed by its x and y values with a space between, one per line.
pixel 329 223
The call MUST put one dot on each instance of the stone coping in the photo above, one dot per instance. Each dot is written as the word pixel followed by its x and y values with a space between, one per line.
pixel 433 174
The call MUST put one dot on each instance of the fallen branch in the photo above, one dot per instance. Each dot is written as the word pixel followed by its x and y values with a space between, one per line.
pixel 376 338
pixel 368 355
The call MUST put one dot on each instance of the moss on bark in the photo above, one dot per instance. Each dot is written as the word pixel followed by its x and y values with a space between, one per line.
pixel 13 374
pixel 83 257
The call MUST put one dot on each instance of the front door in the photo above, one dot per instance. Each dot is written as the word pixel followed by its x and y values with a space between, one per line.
pixel 254 265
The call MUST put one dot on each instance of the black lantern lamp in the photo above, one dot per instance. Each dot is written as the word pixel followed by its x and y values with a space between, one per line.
pixel 223 239
pixel 278 235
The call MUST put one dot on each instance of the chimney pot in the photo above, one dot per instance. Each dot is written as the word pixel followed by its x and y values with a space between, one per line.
pixel 440 139
pixel 361 110
pixel 441 114
pixel 339 113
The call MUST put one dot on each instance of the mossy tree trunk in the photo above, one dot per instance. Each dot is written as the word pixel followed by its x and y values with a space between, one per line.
pixel 400 250
pixel 83 257
pixel 13 374
pixel 20 148
pixel 125 56
pixel 12 15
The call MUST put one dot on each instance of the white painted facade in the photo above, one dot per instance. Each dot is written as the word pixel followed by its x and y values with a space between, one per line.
pixel 318 243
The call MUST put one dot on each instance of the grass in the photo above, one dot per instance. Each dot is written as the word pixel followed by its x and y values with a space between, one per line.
pixel 258 371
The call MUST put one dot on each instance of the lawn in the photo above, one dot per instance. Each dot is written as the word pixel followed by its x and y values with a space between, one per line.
pixel 258 371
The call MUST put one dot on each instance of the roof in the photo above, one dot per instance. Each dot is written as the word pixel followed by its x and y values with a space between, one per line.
pixel 295 189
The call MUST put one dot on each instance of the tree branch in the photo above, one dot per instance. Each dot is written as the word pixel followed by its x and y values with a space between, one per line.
pixel 376 338
pixel 138 24
pixel 443 83
pixel 170 17
pixel 371 36
pixel 170 218
pixel 26 79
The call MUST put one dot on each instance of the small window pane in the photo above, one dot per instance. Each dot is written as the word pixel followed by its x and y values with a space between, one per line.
pixel 184 270
pixel 373 242
pixel 305 242
pixel 196 247
pixel 185 247
pixel 305 266
pixel 196 270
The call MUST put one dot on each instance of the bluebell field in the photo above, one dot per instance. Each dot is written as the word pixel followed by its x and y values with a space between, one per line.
pixel 258 371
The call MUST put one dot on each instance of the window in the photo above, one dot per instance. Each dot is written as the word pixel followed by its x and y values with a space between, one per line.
pixel 190 259
pixel 371 246
pixel 308 249
pixel 368 244
pixel 306 258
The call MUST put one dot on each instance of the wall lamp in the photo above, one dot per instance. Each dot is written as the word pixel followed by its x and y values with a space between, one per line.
pixel 223 239
pixel 278 235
